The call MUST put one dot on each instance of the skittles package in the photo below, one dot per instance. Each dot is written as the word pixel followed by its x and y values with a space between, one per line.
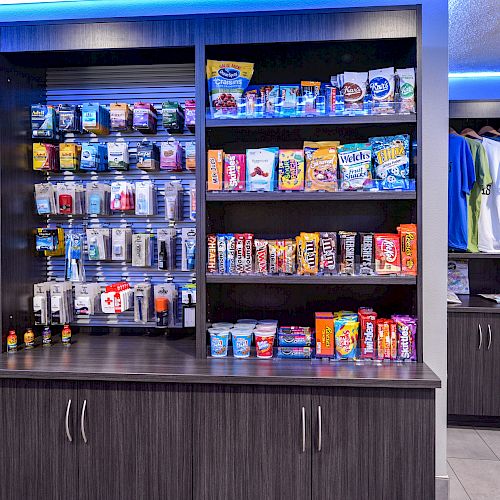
pixel 391 161
pixel 406 331
pixel 346 337
pixel 355 166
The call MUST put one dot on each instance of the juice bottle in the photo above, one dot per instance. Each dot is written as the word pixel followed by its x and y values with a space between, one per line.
pixel 46 336
pixel 12 341
pixel 29 339
pixel 66 335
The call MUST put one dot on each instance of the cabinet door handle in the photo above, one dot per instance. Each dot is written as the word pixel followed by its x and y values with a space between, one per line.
pixel 320 434
pixel 489 337
pixel 303 430
pixel 82 422
pixel 66 421
pixel 480 337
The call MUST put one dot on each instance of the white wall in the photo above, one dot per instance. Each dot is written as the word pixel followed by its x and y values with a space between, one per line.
pixel 434 140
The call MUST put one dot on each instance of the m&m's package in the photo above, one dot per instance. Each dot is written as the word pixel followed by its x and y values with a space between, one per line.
pixel 321 167
pixel 408 237
pixel 234 172
pixel 387 254
pixel 346 335
pixel 391 161
pixel 328 252
pixel 261 169
pixel 291 170
pixel 309 253
pixel 355 166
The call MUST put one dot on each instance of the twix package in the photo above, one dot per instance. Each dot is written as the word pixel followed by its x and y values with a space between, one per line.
pixel 368 333
pixel 408 242
pixel 310 253
pixel 260 256
pixel 215 159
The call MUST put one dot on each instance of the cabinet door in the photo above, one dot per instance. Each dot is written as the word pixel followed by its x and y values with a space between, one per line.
pixel 373 444
pixel 490 387
pixel 249 443
pixel 138 441
pixel 466 348
pixel 37 458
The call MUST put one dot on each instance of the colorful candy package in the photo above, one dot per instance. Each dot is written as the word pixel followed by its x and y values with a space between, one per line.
pixel 355 90
pixel 383 332
pixel 406 78
pixel 227 80
pixel 261 169
pixel 234 172
pixel 408 237
pixel 406 330
pixel 310 253
pixel 387 254
pixel 368 334
pixel 215 163
pixel 346 335
pixel 382 89
pixel 321 169
pixel 355 166
pixel 391 161
pixel 291 170
pixel 328 252
pixel 295 352
pixel 325 334
pixel 260 256
pixel 367 265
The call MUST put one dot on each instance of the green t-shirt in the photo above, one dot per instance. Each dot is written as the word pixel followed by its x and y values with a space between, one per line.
pixel 483 178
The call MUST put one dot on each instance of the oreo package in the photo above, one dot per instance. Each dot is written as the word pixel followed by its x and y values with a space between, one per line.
pixel 391 161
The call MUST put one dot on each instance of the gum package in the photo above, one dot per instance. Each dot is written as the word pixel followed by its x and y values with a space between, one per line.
pixel 391 161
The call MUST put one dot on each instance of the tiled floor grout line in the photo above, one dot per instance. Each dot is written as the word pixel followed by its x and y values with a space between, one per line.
pixel 498 458
pixel 458 479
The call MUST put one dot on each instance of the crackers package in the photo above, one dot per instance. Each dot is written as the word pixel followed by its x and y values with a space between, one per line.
pixel 387 254
pixel 215 159
pixel 355 166
pixel 261 169
pixel 321 169
pixel 291 170
pixel 408 242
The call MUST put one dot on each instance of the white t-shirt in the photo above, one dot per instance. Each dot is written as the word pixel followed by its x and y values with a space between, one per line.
pixel 489 217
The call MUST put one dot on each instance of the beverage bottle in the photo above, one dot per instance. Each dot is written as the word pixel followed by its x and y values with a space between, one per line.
pixel 29 339
pixel 66 335
pixel 46 337
pixel 12 341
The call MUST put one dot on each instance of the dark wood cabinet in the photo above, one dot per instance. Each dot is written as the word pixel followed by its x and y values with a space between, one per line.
pixel 252 442
pixel 372 444
pixel 138 441
pixel 38 447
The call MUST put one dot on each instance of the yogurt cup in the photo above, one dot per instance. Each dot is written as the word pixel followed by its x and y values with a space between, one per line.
pixel 242 327
pixel 246 322
pixel 242 341
pixel 223 324
pixel 265 328
pixel 218 344
pixel 268 322
pixel 264 343
pixel 218 330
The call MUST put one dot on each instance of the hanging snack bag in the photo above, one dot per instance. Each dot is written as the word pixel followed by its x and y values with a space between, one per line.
pixel 321 169
pixel 406 80
pixel 234 172
pixel 261 169
pixel 227 80
pixel 408 241
pixel 346 337
pixel 391 161
pixel 382 90
pixel 387 254
pixel 354 90
pixel 291 170
pixel 310 253
pixel 355 166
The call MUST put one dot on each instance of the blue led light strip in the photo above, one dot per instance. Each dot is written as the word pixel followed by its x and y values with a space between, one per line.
pixel 475 74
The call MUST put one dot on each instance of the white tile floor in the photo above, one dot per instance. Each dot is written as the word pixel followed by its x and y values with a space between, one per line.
pixel 474 463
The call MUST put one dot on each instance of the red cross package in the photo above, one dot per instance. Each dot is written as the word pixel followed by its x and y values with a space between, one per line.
pixel 117 298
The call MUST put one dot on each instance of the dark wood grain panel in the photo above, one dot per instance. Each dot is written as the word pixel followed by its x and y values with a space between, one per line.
pixel 375 444
pixel 38 461
pixel 98 35
pixel 474 304
pixel 156 359
pixel 248 443
pixel 139 442
pixel 306 26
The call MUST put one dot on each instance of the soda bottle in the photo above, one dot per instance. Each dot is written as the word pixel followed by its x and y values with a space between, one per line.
pixel 12 341
pixel 66 335
pixel 46 337
pixel 29 339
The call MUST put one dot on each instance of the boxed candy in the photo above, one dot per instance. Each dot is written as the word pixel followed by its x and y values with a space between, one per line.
pixel 234 172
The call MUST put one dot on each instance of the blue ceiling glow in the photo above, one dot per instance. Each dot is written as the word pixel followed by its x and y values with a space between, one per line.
pixel 475 74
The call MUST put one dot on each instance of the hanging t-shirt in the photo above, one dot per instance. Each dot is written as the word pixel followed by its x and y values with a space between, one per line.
pixel 489 218
pixel 461 178
pixel 483 178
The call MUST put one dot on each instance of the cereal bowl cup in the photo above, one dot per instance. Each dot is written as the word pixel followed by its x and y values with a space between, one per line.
pixel 242 342
pixel 218 344
pixel 264 343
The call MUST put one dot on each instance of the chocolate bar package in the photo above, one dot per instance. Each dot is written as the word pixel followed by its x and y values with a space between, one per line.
pixel 347 252
pixel 230 254
pixel 221 253
pixel 328 252
pixel 260 256
pixel 368 334
pixel 212 253
pixel 367 266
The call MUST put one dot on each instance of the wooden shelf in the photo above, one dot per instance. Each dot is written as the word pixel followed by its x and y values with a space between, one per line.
pixel 467 255
pixel 312 120
pixel 474 304
pixel 309 280
pixel 309 196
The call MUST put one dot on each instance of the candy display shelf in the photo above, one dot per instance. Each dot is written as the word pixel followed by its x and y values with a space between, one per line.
pixel 474 304
pixel 309 196
pixel 310 120
pixel 309 280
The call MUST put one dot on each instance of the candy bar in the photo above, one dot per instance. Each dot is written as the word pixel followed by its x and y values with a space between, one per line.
pixel 212 253
pixel 325 335
pixel 393 341
pixel 260 256
pixel 328 252
pixel 280 255
pixel 382 333
pixel 310 244
pixel 215 160
pixel 273 257
pixel 239 259
pixel 298 241
pixel 248 253
pixel 406 330
pixel 347 252
pixel 230 254
pixel 234 172
pixel 367 266
pixel 408 241
pixel 387 254
pixel 368 324
pixel 221 253
pixel 290 251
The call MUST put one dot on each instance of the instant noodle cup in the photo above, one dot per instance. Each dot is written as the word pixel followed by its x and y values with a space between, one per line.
pixel 264 344
pixel 242 342
pixel 218 343
pixel 223 324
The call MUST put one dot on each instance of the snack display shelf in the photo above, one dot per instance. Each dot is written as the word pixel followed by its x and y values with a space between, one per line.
pixel 310 120
pixel 309 196
pixel 120 323
pixel 467 255
pixel 312 279
pixel 474 304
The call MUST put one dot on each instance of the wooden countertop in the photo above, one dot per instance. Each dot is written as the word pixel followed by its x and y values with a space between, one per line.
pixel 157 359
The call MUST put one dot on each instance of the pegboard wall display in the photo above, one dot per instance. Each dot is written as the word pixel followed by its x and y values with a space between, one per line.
pixel 130 84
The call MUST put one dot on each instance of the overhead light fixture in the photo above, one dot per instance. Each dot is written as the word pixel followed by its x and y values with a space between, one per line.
pixel 475 74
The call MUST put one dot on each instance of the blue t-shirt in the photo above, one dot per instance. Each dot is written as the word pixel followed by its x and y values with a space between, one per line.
pixel 461 178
